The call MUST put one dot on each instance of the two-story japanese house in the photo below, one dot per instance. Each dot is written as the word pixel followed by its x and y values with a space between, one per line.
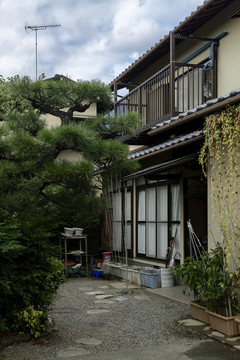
pixel 190 73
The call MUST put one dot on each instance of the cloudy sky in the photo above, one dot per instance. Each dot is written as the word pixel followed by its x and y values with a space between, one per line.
pixel 97 39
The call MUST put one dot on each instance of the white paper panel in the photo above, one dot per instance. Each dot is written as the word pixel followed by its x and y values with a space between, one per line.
pixel 175 206
pixel 128 206
pixel 141 205
pixel 117 206
pixel 151 240
pixel 151 204
pixel 141 238
pixel 162 203
pixel 128 235
pixel 117 236
pixel 162 240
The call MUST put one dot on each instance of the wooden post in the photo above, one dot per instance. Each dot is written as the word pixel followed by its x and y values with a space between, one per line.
pixel 115 97
pixel 140 101
pixel 172 73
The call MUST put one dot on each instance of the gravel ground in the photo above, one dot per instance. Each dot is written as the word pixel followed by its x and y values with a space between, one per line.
pixel 143 319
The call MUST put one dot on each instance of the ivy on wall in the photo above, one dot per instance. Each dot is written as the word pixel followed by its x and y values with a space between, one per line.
pixel 220 161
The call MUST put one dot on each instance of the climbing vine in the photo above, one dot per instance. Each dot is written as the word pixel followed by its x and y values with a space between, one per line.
pixel 220 161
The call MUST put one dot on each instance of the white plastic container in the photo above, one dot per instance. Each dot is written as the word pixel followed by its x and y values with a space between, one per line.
pixel 78 231
pixel 167 278
pixel 68 231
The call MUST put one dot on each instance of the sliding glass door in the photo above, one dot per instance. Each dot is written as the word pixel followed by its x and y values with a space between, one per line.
pixel 158 219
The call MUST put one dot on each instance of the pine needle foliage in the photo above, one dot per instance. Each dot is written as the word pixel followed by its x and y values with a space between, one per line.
pixel 41 191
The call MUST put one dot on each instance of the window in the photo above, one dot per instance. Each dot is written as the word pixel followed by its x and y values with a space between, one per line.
pixel 158 218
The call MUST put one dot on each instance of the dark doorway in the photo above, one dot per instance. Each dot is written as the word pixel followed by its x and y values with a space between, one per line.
pixel 195 209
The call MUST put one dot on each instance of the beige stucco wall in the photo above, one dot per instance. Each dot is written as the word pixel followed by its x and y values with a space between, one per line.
pixel 54 121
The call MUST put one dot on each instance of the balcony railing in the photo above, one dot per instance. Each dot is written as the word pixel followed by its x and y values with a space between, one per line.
pixel 154 99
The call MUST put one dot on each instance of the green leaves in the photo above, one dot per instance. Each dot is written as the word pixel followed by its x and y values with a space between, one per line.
pixel 50 177
pixel 220 156
pixel 108 126
pixel 208 279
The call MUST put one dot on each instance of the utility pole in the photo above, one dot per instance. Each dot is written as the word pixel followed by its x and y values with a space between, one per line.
pixel 36 28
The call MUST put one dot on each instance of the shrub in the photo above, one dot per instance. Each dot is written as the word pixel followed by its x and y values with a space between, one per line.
pixel 30 274
pixel 30 320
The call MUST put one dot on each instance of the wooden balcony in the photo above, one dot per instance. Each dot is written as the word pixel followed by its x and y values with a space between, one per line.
pixel 176 88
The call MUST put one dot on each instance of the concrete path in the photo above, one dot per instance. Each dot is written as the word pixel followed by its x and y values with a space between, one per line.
pixel 196 350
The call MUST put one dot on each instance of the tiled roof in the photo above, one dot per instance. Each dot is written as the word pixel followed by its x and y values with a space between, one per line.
pixel 161 166
pixel 198 108
pixel 180 139
pixel 165 144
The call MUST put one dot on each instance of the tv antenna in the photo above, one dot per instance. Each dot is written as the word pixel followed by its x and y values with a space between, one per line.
pixel 36 28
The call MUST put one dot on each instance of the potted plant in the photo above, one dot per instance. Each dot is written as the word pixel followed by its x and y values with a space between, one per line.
pixel 221 296
pixel 213 287
pixel 192 272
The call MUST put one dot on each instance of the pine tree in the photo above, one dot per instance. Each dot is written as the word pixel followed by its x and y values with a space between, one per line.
pixel 38 193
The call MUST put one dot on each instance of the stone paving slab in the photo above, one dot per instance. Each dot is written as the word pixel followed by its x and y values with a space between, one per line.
pixel 218 334
pixel 237 338
pixel 88 341
pixel 95 293
pixel 207 330
pixel 191 322
pixel 72 352
pixel 103 297
pixel 98 311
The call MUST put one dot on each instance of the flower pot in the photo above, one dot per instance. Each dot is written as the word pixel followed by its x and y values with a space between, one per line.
pixel 199 312
pixel 223 324
pixel 125 273
pixel 68 231
pixel 107 256
pixel 78 231
pixel 115 270
pixel 136 276
pixel 238 323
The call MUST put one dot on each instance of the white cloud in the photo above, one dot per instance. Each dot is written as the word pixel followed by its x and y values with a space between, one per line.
pixel 97 38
